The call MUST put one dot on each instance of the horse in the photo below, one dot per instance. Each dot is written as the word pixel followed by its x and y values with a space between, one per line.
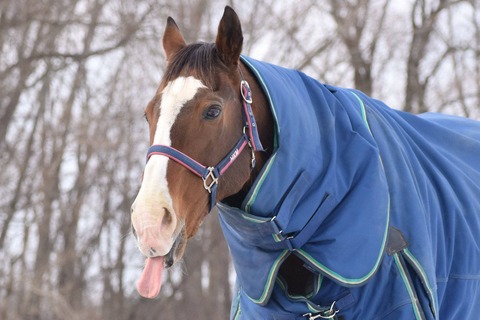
pixel 333 205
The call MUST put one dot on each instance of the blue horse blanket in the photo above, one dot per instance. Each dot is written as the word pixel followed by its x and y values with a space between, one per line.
pixel 382 206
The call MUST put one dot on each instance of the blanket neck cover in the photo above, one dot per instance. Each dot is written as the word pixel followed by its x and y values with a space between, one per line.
pixel 368 197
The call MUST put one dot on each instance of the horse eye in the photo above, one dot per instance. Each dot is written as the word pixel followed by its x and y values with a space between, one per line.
pixel 212 112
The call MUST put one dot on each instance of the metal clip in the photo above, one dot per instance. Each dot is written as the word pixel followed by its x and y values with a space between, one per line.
pixel 254 161
pixel 208 186
pixel 326 314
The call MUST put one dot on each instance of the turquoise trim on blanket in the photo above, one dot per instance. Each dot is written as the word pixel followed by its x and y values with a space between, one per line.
pixel 408 285
pixel 423 275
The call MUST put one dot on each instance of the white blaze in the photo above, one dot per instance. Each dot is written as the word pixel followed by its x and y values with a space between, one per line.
pixel 154 195
pixel 174 96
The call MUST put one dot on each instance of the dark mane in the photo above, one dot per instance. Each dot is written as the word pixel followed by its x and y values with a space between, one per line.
pixel 200 59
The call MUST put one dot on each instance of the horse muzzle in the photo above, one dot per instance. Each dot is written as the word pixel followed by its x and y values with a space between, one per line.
pixel 155 227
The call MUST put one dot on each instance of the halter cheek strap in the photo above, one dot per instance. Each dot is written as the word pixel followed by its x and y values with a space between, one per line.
pixel 210 175
pixel 249 119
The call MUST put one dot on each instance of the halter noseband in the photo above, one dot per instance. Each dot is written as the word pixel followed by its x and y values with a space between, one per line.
pixel 210 175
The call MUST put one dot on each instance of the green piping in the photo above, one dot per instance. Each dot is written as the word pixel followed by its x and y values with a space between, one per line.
pixel 311 306
pixel 254 219
pixel 276 238
pixel 237 313
pixel 313 309
pixel 410 290
pixel 257 187
pixel 295 296
pixel 318 283
pixel 354 281
pixel 270 278
pixel 236 303
pixel 364 112
pixel 419 268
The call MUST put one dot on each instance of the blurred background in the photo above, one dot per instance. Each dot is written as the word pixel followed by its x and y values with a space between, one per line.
pixel 75 76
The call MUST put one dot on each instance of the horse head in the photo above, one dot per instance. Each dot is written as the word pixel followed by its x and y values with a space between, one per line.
pixel 197 132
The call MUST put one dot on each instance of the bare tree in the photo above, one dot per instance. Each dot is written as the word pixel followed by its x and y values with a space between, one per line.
pixel 424 17
pixel 75 76
pixel 351 19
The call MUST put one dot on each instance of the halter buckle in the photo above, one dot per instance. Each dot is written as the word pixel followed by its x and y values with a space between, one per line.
pixel 214 180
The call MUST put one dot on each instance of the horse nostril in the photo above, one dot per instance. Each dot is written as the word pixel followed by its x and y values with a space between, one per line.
pixel 167 218
pixel 152 252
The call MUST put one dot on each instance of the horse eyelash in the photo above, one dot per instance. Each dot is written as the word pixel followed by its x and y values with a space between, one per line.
pixel 145 117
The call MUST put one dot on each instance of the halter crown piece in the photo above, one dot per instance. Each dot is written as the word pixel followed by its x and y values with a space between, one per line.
pixel 210 175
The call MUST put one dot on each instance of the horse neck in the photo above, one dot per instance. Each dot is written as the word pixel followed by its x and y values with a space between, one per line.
pixel 264 119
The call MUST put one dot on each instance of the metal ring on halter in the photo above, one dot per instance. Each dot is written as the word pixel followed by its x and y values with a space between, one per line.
pixel 244 83
pixel 211 176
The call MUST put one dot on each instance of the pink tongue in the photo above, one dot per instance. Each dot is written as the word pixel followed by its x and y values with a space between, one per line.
pixel 150 281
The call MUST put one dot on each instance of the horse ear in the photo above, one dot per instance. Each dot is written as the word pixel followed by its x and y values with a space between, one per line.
pixel 229 38
pixel 173 40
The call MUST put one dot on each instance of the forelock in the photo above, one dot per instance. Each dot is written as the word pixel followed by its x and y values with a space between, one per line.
pixel 199 59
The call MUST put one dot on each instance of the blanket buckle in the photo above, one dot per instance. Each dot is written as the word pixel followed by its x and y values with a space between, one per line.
pixel 326 314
